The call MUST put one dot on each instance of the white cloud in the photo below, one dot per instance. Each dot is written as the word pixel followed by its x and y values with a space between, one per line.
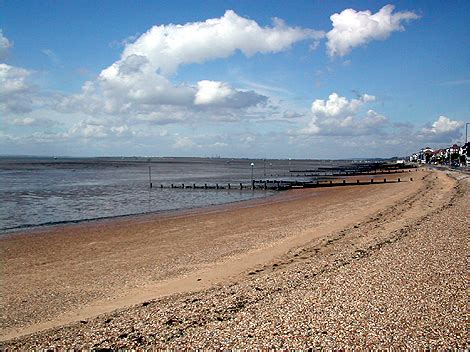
pixel 221 94
pixel 443 130
pixel 96 129
pixel 353 28
pixel 16 93
pixel 445 125
pixel 212 92
pixel 138 86
pixel 87 130
pixel 5 45
pixel 139 82
pixel 31 121
pixel 169 46
pixel 338 108
pixel 373 119
pixel 27 121
pixel 121 131
pixel 338 116
pixel 13 79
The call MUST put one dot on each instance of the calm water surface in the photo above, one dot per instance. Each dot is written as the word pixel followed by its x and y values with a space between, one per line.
pixel 38 191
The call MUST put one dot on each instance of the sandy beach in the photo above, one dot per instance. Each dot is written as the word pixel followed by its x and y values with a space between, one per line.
pixel 380 265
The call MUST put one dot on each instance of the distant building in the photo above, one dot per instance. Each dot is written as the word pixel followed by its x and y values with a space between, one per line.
pixel 425 155
pixel 454 154
pixel 465 154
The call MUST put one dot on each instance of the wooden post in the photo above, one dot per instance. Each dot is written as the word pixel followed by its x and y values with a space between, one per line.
pixel 172 185
pixel 357 181
pixel 252 180
pixel 216 186
pixel 241 186
pixel 344 182
pixel 205 185
pixel 371 180
pixel 182 185
pixel 399 179
pixel 229 186
pixel 194 186
pixel 150 176
pixel 411 179
pixel 385 180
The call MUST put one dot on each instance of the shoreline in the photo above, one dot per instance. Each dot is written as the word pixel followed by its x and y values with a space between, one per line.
pixel 24 229
pixel 262 252
pixel 282 195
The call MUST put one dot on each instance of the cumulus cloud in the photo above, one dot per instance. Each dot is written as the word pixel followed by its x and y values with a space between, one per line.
pixel 373 119
pixel 212 92
pixel 139 82
pixel 221 94
pixel 95 130
pixel 5 45
pixel 169 46
pixel 353 28
pixel 443 130
pixel 445 125
pixel 338 107
pixel 16 93
pixel 338 116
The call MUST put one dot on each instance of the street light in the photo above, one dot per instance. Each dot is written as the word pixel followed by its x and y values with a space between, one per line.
pixel 252 180
pixel 466 132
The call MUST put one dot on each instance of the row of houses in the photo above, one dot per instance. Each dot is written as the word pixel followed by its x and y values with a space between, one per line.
pixel 454 156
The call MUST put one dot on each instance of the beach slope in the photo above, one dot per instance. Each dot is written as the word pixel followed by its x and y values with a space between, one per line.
pixel 381 265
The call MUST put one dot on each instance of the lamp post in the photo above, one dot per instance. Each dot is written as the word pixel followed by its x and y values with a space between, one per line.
pixel 466 132
pixel 252 180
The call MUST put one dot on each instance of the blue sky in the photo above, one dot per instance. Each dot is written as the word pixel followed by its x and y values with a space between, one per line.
pixel 277 79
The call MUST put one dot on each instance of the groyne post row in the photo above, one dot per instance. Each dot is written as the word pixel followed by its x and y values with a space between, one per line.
pixel 279 185
pixel 314 173
pixel 317 173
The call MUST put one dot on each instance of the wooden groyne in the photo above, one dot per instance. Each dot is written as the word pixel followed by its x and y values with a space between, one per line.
pixel 331 178
pixel 341 172
pixel 282 185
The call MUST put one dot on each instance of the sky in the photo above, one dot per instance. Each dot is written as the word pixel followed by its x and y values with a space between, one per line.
pixel 257 79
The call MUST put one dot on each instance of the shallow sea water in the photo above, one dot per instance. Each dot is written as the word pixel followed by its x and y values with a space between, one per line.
pixel 39 191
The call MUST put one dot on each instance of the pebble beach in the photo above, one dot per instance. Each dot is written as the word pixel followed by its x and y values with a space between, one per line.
pixel 376 266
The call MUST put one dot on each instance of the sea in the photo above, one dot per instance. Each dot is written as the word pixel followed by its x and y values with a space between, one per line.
pixel 40 191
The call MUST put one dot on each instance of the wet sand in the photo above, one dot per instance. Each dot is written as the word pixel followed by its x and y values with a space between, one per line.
pixel 205 275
